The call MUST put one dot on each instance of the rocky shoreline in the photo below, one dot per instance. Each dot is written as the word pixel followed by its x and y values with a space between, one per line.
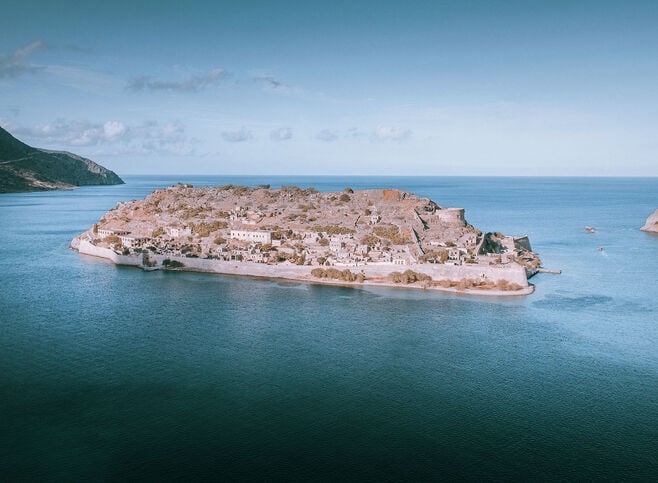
pixel 651 225
pixel 374 275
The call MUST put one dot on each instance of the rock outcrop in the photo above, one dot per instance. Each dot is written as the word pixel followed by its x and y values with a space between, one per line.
pixel 652 223
pixel 24 168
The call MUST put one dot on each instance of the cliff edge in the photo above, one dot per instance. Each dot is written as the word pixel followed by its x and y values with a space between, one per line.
pixel 25 168
pixel 652 223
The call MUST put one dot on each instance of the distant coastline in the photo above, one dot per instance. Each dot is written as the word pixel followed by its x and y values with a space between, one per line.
pixel 24 168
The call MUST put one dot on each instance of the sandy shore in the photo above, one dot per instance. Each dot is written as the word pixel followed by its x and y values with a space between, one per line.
pixel 375 274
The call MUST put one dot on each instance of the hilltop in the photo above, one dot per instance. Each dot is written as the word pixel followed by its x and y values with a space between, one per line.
pixel 25 168
pixel 381 236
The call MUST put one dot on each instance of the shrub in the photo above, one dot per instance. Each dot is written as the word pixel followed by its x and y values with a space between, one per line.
pixel 409 276
pixel 317 272
pixel 172 263
pixel 333 229
pixel 391 233
pixel 204 229
pixel 112 239
pixel 335 274
pixel 439 256
pixel 370 240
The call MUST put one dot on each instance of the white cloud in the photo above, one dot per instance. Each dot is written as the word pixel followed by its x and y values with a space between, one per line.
pixel 268 81
pixel 327 135
pixel 114 129
pixel 354 133
pixel 109 137
pixel 241 135
pixel 281 134
pixel 390 133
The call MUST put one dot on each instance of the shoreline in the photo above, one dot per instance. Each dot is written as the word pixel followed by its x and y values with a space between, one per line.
pixel 301 274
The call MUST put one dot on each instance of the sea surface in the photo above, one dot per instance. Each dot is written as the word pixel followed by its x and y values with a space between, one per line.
pixel 111 373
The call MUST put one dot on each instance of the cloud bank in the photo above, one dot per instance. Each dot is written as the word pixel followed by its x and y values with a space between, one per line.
pixel 109 137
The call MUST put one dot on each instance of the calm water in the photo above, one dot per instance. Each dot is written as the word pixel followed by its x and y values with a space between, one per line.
pixel 111 373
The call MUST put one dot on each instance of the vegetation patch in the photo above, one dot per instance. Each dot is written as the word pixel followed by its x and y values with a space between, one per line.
pixel 333 230
pixel 335 274
pixel 409 276
pixel 204 229
pixel 391 233
pixel 172 263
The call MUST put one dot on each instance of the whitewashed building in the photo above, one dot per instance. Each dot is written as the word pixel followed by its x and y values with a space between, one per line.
pixel 256 236
pixel 176 232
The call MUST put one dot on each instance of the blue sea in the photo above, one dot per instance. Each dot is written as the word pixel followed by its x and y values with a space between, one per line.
pixel 110 373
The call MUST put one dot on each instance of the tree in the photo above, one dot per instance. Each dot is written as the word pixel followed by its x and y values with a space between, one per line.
pixel 172 263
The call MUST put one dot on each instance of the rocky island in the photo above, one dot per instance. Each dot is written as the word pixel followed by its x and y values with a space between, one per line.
pixel 382 237
pixel 24 168
pixel 651 224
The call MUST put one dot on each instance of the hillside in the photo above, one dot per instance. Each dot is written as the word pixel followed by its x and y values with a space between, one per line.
pixel 24 168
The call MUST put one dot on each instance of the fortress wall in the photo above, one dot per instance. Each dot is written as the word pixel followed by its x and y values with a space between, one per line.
pixel 512 273
pixel 87 248
pixel 522 242
pixel 451 216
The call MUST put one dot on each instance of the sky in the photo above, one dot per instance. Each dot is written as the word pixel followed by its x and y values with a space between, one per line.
pixel 468 87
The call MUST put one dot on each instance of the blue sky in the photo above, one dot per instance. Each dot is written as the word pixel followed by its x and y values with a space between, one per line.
pixel 358 87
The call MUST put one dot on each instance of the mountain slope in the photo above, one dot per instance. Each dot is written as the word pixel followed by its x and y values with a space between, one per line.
pixel 24 168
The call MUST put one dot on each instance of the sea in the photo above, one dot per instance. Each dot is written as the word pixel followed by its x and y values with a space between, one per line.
pixel 109 373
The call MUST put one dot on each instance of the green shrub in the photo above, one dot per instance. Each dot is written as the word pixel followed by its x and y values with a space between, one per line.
pixel 172 263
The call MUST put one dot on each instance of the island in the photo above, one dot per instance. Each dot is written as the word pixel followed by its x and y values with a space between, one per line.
pixel 651 224
pixel 380 237
pixel 24 168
